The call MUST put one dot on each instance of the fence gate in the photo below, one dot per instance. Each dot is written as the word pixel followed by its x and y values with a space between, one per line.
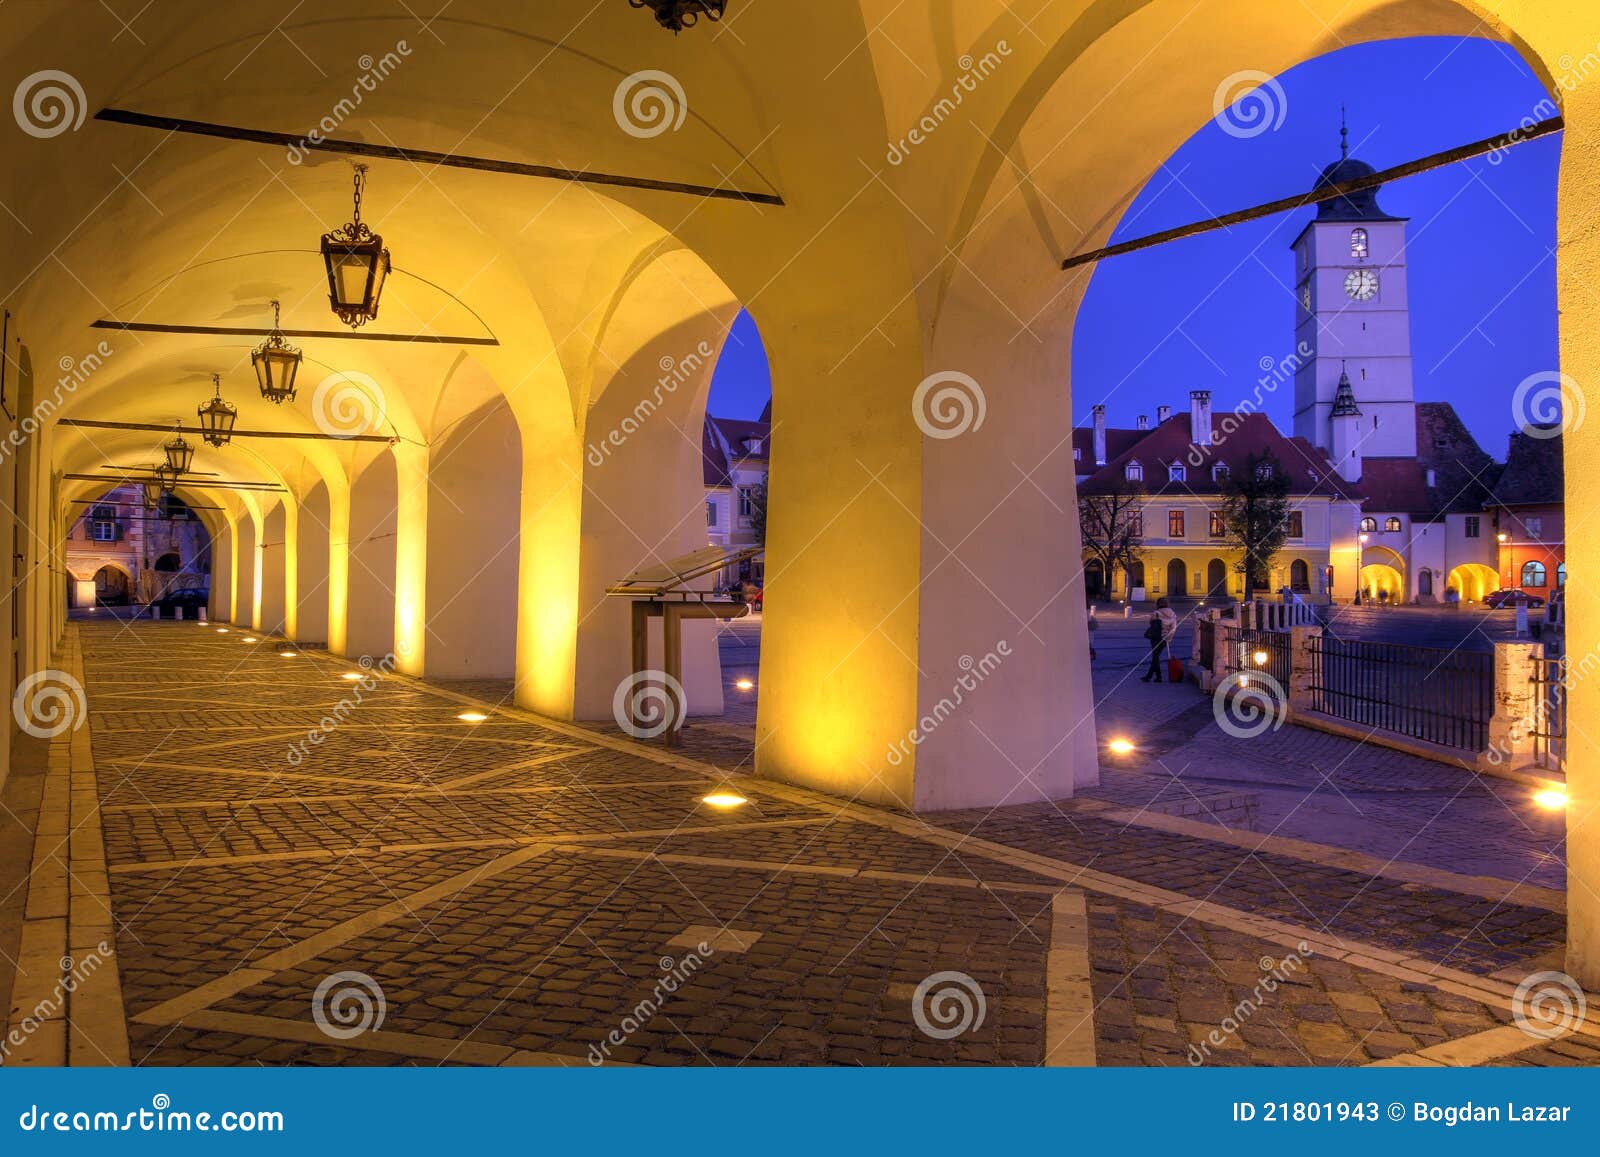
pixel 1549 679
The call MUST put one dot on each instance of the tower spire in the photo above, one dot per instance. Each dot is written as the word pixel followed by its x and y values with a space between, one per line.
pixel 1344 135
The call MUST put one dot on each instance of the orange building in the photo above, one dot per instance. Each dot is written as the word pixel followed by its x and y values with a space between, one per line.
pixel 1527 505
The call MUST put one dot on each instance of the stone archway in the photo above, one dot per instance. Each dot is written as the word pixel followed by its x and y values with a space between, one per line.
pixel 1216 579
pixel 1177 578
pixel 1472 581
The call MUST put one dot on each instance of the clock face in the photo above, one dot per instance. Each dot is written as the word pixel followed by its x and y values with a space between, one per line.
pixel 1305 296
pixel 1361 284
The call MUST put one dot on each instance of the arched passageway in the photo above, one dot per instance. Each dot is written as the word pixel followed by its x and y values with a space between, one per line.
pixel 312 565
pixel 374 509
pixel 1472 581
pixel 273 555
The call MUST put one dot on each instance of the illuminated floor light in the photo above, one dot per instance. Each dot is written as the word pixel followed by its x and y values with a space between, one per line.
pixel 351 676
pixel 1120 747
pixel 745 684
pixel 288 654
pixel 249 639
pixel 472 717
pixel 1260 658
pixel 1551 798
pixel 724 799
pixel 222 630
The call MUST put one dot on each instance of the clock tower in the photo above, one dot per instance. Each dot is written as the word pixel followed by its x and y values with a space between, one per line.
pixel 1353 389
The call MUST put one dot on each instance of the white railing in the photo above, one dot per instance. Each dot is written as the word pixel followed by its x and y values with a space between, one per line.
pixel 1263 616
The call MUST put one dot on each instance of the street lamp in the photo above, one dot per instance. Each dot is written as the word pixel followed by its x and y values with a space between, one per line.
pixel 276 363
pixel 151 493
pixel 1361 541
pixel 357 265
pixel 180 455
pixel 167 478
pixel 217 417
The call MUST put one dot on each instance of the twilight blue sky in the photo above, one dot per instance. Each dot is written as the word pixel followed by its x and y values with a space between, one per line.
pixel 1203 312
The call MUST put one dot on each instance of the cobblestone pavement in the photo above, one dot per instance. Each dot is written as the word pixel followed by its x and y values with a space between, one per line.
pixel 309 869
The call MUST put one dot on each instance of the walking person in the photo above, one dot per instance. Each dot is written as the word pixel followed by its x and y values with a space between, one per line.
pixel 1155 634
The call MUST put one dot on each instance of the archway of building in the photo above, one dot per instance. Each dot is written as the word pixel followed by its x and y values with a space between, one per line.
pixel 473 543
pixel 1177 584
pixel 271 555
pixel 313 569
pixel 1216 579
pixel 1383 576
pixel 113 586
pixel 953 267
pixel 374 519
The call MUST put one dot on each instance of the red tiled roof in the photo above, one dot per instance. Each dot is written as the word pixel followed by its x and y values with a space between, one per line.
pixel 1534 474
pixel 712 460
pixel 1235 437
pixel 734 431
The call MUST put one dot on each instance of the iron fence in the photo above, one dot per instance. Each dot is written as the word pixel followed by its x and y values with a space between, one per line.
pixel 1266 651
pixel 1439 696
pixel 1208 645
pixel 1549 734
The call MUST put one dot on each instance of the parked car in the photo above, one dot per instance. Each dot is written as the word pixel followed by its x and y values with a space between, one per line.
pixel 1512 598
pixel 189 598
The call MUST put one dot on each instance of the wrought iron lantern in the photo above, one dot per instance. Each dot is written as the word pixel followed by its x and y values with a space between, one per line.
pixel 277 362
pixel 357 265
pixel 167 478
pixel 217 417
pixel 179 454
pixel 151 493
pixel 676 15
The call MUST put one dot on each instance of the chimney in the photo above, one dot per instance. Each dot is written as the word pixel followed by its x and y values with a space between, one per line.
pixel 1100 435
pixel 1162 414
pixel 1144 422
pixel 1200 417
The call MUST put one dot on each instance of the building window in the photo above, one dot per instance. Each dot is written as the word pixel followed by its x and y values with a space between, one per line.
pixel 1561 575
pixel 1473 526
pixel 1219 472
pixel 103 531
pixel 1136 525
pixel 1134 472
pixel 1358 243
pixel 1219 526
pixel 1391 524
pixel 711 513
pixel 1174 524
pixel 1177 472
pixel 1299 575
pixel 1534 526
pixel 1297 524
pixel 1264 471
pixel 1368 525
pixel 1077 453
pixel 1533 574
pixel 746 503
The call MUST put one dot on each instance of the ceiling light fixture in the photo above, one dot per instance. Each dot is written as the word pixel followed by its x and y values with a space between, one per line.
pixel 357 265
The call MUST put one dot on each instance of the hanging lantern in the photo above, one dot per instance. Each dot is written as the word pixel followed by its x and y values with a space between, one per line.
pixel 151 492
pixel 676 15
pixel 217 417
pixel 179 455
pixel 167 478
pixel 357 265
pixel 277 362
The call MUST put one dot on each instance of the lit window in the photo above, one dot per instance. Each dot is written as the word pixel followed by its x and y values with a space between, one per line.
pixel 1561 575
pixel 1174 524
pixel 1297 524
pixel 1533 574
pixel 1368 525
pixel 1358 243
pixel 1391 524
pixel 1219 526
pixel 1134 472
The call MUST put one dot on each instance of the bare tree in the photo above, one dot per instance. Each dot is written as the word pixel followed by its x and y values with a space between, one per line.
pixel 1112 527
pixel 1255 511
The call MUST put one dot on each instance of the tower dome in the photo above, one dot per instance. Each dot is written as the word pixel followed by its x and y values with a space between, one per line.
pixel 1360 206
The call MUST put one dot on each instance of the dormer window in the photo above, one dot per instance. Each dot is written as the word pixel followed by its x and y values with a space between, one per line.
pixel 1177 472
pixel 753 445
pixel 1264 471
pixel 1314 476
pixel 1133 472
pixel 1219 472
pixel 1358 243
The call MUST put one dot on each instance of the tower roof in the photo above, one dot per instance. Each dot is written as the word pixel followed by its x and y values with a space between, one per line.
pixel 1362 206
pixel 1344 399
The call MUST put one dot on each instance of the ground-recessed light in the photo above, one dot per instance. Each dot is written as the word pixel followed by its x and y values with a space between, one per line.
pixel 745 684
pixel 352 676
pixel 1120 747
pixel 472 717
pixel 724 799
pixel 222 630
pixel 1551 798
pixel 288 654
pixel 249 638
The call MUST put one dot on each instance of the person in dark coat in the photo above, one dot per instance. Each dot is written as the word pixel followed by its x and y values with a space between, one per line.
pixel 1156 635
